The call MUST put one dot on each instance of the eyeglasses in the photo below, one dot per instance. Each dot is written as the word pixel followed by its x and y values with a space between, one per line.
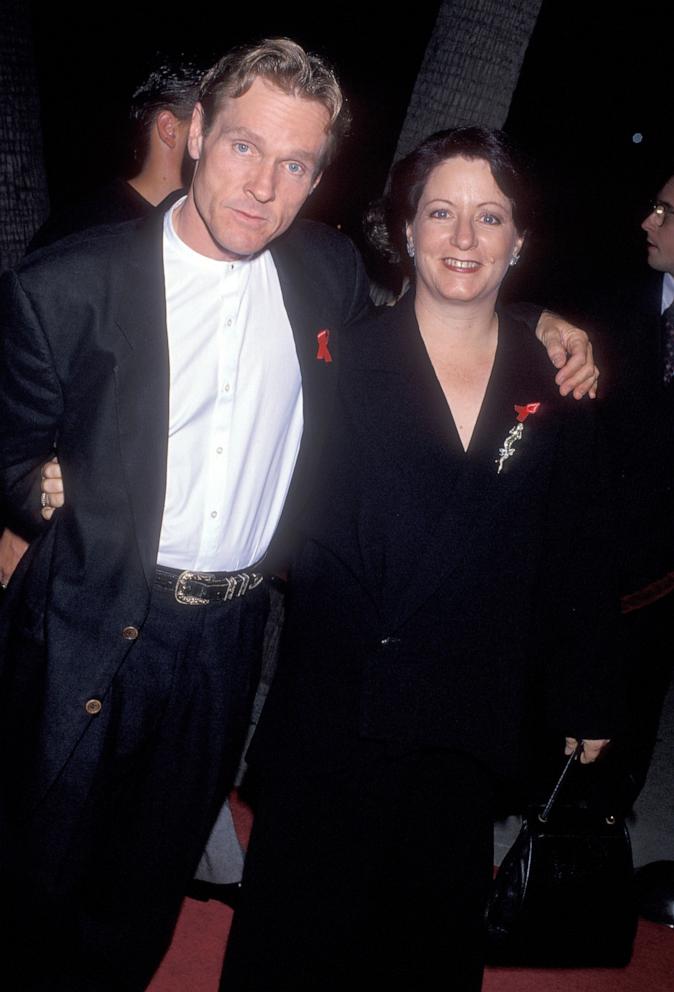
pixel 662 212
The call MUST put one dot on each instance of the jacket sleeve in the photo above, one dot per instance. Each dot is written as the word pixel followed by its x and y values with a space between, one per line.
pixel 31 405
pixel 579 606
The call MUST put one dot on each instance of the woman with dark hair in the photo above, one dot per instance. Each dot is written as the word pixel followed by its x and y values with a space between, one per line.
pixel 452 594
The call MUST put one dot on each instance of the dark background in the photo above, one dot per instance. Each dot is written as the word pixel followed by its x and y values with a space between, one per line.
pixel 592 79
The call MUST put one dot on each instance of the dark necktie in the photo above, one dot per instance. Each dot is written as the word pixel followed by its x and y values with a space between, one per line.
pixel 668 343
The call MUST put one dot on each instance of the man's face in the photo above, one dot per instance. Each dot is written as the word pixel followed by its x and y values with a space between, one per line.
pixel 660 232
pixel 255 168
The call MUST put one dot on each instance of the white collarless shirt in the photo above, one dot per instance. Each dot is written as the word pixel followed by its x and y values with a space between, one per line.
pixel 235 408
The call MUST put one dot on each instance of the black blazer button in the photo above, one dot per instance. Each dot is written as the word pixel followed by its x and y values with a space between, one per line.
pixel 93 706
pixel 130 633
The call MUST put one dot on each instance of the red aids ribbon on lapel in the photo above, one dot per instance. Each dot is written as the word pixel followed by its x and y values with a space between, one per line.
pixel 323 353
pixel 524 411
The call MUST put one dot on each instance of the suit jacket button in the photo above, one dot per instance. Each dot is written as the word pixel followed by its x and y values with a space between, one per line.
pixel 130 633
pixel 93 706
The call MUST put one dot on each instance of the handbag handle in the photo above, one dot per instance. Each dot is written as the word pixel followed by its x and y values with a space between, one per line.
pixel 565 770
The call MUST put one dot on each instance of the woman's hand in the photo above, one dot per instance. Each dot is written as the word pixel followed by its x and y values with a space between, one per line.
pixel 570 350
pixel 591 749
pixel 51 488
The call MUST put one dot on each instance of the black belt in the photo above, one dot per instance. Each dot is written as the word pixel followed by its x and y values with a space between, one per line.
pixel 204 588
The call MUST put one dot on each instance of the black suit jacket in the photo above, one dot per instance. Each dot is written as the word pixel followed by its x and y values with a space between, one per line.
pixel 436 601
pixel 638 414
pixel 84 372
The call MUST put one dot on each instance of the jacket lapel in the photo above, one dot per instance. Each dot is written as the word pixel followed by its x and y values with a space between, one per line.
pixel 317 347
pixel 142 382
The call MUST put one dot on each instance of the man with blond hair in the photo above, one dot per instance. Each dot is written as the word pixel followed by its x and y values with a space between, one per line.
pixel 178 368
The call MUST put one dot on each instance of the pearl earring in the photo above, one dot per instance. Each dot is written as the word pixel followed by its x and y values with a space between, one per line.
pixel 410 249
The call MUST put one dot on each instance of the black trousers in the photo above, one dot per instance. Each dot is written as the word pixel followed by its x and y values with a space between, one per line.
pixel 376 876
pixel 646 639
pixel 101 877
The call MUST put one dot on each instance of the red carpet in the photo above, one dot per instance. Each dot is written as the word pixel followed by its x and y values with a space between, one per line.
pixel 193 961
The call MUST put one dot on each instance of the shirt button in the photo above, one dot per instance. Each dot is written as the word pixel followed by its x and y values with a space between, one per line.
pixel 130 633
pixel 227 388
pixel 93 706
pixel 229 322
pixel 214 513
pixel 219 450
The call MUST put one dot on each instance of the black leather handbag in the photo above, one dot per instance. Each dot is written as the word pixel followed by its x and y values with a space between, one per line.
pixel 564 894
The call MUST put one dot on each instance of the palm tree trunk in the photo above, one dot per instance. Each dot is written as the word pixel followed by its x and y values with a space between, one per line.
pixel 470 67
pixel 23 187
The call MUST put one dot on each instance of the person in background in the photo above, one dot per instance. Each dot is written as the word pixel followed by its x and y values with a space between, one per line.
pixel 158 121
pixel 638 411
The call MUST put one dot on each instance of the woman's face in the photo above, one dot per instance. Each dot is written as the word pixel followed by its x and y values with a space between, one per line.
pixel 463 233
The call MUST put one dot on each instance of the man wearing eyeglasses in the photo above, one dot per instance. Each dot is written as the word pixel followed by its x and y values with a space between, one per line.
pixel 648 609
pixel 659 228
pixel 639 416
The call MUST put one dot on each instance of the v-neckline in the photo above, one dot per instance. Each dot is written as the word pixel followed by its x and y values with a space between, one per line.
pixel 443 407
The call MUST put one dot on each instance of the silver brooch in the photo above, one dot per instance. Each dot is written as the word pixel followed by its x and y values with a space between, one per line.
pixel 508 449
pixel 515 433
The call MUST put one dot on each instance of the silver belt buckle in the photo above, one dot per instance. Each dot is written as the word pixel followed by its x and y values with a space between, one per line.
pixel 181 585
pixel 236 585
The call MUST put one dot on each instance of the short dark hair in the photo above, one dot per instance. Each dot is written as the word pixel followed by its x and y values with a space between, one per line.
pixel 665 177
pixel 170 86
pixel 286 65
pixel 386 220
